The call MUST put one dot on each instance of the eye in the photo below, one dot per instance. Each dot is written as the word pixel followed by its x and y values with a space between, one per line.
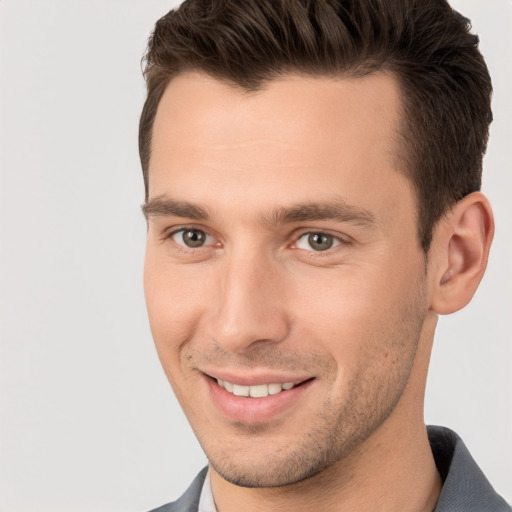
pixel 317 241
pixel 192 238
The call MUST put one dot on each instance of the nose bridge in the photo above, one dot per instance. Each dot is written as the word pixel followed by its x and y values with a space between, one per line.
pixel 249 307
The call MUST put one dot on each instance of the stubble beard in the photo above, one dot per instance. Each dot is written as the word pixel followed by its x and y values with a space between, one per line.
pixel 373 394
pixel 340 434
pixel 340 431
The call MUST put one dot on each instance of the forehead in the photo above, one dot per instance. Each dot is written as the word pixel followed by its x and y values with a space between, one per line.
pixel 300 135
pixel 284 110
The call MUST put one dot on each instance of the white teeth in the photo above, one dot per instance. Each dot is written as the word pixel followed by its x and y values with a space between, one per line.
pixel 273 389
pixel 259 391
pixel 240 390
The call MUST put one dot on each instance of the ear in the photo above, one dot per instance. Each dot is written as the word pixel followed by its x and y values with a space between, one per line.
pixel 462 241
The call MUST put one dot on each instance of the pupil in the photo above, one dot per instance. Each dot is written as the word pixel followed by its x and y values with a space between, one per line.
pixel 320 241
pixel 193 238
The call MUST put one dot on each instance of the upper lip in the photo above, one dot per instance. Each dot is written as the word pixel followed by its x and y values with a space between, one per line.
pixel 256 379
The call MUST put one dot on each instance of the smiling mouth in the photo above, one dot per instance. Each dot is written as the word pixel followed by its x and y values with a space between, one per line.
pixel 258 391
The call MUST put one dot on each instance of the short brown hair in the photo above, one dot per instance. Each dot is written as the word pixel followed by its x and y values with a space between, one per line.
pixel 445 85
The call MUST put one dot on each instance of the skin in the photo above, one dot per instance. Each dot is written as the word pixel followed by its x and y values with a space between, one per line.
pixel 257 301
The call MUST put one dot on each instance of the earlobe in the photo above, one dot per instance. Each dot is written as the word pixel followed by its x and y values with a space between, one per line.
pixel 462 241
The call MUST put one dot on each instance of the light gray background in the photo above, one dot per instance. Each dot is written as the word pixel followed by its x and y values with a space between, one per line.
pixel 88 421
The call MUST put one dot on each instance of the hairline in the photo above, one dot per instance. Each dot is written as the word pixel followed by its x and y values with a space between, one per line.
pixel 400 153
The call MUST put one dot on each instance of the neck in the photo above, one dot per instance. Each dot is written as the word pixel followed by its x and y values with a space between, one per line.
pixel 393 469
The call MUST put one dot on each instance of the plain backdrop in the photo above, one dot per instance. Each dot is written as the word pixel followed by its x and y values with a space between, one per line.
pixel 88 421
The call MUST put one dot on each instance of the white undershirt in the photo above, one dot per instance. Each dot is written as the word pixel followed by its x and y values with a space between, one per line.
pixel 206 502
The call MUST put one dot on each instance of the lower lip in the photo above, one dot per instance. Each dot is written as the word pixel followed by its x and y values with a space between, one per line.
pixel 250 410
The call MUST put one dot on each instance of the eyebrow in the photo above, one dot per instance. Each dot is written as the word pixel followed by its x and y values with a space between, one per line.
pixel 336 209
pixel 164 206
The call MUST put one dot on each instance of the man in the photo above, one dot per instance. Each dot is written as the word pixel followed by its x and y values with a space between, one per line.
pixel 312 175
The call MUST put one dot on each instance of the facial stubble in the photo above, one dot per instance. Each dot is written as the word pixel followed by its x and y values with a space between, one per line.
pixel 373 393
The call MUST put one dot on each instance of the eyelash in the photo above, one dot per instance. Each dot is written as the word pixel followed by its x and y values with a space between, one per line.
pixel 185 249
pixel 181 247
pixel 336 242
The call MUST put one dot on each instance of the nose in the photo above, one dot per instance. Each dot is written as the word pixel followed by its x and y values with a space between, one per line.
pixel 250 307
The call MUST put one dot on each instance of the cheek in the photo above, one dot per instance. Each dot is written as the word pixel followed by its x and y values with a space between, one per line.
pixel 358 314
pixel 174 304
pixel 174 300
pixel 340 302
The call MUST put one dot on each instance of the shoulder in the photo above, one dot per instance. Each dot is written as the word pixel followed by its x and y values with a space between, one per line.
pixel 189 501
pixel 465 487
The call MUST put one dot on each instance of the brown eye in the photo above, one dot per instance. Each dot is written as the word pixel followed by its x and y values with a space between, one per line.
pixel 317 241
pixel 192 238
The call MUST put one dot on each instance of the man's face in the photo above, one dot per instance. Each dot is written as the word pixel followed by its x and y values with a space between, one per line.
pixel 282 248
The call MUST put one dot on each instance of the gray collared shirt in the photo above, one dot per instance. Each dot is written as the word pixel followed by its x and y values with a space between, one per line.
pixel 465 488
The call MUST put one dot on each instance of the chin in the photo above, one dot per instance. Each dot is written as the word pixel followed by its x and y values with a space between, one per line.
pixel 279 474
pixel 283 465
